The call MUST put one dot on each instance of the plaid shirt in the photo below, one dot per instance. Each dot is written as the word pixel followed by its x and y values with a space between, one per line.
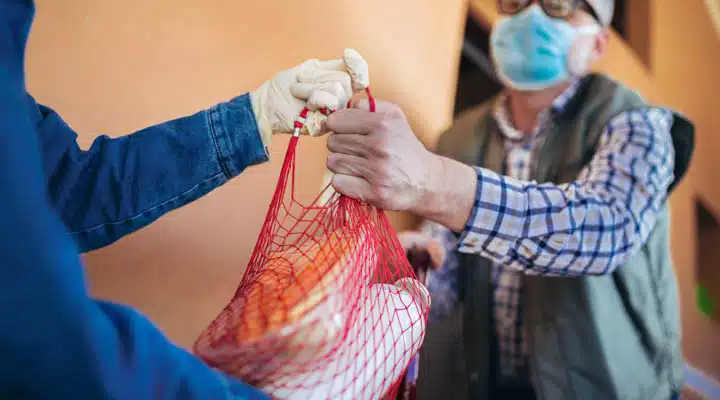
pixel 587 227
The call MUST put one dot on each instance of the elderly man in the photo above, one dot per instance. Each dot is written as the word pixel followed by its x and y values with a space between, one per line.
pixel 57 199
pixel 556 194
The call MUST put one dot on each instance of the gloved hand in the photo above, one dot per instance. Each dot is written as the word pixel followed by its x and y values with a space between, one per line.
pixel 317 84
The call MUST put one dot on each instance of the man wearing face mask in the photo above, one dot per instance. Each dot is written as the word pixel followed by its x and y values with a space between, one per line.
pixel 556 192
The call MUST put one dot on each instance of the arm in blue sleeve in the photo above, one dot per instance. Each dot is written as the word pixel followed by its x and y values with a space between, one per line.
pixel 55 341
pixel 120 185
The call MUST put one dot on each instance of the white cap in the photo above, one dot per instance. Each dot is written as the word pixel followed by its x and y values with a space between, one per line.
pixel 603 9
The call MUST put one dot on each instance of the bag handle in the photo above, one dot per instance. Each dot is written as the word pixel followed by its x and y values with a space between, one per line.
pixel 302 118
pixel 288 172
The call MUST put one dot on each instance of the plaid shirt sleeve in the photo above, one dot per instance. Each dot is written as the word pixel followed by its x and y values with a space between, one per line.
pixel 586 227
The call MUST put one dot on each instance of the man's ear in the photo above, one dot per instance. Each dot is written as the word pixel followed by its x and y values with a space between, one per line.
pixel 602 39
pixel 586 51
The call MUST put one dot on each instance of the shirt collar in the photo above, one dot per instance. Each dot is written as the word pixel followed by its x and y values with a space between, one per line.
pixel 502 114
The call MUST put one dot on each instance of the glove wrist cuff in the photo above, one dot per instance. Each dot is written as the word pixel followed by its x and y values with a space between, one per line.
pixel 257 101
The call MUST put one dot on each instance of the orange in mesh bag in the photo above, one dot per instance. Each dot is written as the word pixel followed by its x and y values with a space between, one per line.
pixel 329 306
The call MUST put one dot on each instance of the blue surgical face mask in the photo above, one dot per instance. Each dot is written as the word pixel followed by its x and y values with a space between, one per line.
pixel 533 51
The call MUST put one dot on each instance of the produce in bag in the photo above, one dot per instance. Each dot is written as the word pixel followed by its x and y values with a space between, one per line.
pixel 329 306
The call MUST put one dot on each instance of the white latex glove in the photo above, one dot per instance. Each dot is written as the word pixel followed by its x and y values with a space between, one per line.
pixel 317 84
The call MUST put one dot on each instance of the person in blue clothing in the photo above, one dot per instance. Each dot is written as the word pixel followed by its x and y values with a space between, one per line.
pixel 57 200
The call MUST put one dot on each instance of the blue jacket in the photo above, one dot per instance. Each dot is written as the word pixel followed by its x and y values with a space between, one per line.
pixel 56 200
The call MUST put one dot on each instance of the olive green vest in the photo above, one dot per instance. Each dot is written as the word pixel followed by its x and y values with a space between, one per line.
pixel 601 337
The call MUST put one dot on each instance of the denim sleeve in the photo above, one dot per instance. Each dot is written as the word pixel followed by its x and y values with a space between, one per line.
pixel 122 184
pixel 55 341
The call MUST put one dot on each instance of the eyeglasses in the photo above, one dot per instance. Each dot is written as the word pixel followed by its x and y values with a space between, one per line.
pixel 553 8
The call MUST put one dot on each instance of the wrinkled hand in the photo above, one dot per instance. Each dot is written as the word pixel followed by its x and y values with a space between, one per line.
pixel 377 158
pixel 317 84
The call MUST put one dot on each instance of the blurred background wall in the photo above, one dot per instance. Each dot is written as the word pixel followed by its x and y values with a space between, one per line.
pixel 112 67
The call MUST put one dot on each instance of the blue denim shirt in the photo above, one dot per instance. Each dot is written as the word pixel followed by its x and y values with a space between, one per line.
pixel 120 185
pixel 56 199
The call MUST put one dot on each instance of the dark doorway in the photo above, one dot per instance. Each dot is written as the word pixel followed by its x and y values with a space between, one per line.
pixel 476 81
pixel 707 262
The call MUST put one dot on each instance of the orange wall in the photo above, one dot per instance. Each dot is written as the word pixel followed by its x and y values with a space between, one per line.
pixel 112 67
pixel 686 48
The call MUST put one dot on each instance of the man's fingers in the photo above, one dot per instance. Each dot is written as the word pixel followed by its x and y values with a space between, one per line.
pixel 410 239
pixel 437 254
pixel 352 186
pixel 354 121
pixel 350 165
pixel 347 144
pixel 419 241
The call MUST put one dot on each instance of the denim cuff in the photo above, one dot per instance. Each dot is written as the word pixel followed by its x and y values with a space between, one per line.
pixel 236 135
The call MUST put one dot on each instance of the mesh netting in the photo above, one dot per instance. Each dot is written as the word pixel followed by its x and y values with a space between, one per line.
pixel 328 308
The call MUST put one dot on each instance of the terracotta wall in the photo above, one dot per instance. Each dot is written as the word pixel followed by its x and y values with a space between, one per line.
pixel 686 47
pixel 111 67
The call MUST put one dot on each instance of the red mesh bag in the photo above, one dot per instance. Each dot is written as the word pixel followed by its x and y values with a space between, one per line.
pixel 329 306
